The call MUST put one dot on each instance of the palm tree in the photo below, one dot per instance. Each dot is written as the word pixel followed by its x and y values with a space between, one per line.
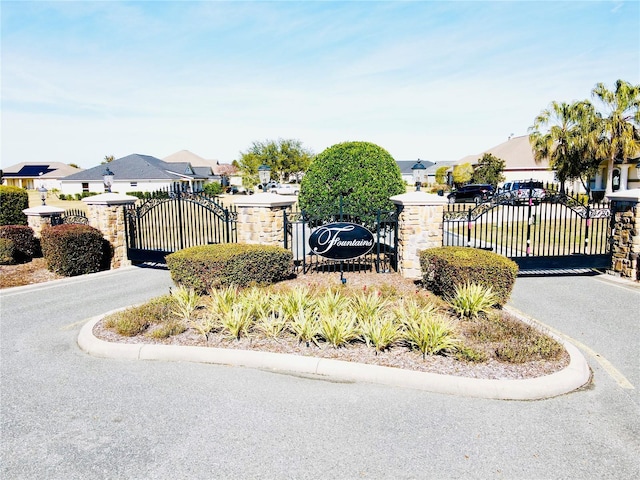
pixel 619 134
pixel 563 134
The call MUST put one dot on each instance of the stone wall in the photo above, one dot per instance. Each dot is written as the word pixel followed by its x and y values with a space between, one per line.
pixel 625 240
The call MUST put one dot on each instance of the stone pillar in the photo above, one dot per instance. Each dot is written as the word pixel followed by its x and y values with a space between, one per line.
pixel 260 218
pixel 106 213
pixel 625 234
pixel 40 217
pixel 419 227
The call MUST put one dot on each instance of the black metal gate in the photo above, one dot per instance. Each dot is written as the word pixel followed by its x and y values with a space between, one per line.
pixel 169 221
pixel 71 216
pixel 557 232
pixel 383 258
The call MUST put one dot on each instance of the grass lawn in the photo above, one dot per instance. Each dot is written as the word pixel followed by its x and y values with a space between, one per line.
pixel 54 201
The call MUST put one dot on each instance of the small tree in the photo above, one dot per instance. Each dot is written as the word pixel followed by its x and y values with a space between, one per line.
pixel 285 157
pixel 462 173
pixel 363 174
pixel 489 170
pixel 441 175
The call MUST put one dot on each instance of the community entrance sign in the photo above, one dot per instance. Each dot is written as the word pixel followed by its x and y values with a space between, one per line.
pixel 341 241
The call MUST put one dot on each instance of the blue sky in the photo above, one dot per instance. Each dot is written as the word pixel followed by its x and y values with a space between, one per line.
pixel 430 80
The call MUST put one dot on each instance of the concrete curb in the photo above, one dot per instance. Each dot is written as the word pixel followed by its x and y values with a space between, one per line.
pixel 574 376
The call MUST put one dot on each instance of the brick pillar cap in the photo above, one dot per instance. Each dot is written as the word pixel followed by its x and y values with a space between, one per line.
pixel 110 199
pixel 265 200
pixel 42 211
pixel 419 198
pixel 632 195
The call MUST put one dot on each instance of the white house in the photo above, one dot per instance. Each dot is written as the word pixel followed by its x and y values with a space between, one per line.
pixel 32 175
pixel 137 173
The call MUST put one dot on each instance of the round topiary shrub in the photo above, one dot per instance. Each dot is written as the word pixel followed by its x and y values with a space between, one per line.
pixel 74 249
pixel 24 241
pixel 445 268
pixel 13 201
pixel 363 173
pixel 212 266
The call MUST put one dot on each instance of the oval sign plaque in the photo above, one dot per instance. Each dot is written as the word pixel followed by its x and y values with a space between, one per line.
pixel 341 241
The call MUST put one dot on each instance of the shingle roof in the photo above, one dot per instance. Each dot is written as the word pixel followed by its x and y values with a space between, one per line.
pixel 39 170
pixel 405 165
pixel 516 152
pixel 137 167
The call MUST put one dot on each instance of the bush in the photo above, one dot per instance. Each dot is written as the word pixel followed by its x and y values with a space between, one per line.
pixel 24 241
pixel 211 266
pixel 365 175
pixel 213 189
pixel 73 249
pixel 7 251
pixel 446 268
pixel 13 201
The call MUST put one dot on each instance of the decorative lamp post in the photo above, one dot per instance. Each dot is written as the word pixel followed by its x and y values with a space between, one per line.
pixel 107 177
pixel 43 194
pixel 418 170
pixel 264 172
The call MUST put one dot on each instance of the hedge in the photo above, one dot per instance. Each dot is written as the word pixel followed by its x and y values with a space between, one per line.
pixel 13 201
pixel 24 241
pixel 445 268
pixel 73 249
pixel 207 267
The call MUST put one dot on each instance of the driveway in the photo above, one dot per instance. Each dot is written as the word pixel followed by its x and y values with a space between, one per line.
pixel 66 415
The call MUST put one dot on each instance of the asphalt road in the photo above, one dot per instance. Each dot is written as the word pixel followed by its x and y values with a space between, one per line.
pixel 66 415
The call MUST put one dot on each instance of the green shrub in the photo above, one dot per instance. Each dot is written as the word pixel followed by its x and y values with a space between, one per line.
pixel 25 243
pixel 445 268
pixel 470 300
pixel 365 174
pixel 7 251
pixel 13 201
pixel 73 249
pixel 206 267
pixel 213 189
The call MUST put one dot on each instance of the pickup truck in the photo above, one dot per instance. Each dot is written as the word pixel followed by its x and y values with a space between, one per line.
pixel 286 189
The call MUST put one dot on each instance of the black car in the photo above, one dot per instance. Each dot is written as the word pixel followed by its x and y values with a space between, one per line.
pixel 474 192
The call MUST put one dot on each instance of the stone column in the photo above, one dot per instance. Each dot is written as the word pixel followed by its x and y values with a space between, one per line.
pixel 419 227
pixel 260 218
pixel 106 213
pixel 40 217
pixel 625 233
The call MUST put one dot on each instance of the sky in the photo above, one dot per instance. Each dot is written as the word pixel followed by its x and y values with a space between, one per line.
pixel 423 79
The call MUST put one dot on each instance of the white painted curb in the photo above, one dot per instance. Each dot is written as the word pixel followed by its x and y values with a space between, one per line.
pixel 574 376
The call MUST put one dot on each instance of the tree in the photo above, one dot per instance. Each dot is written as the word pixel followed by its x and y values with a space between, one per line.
pixel 285 157
pixel 618 125
pixel 108 159
pixel 565 135
pixel 441 175
pixel 363 174
pixel 74 165
pixel 489 170
pixel 462 173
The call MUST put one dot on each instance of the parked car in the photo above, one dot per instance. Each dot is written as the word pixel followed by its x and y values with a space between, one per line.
pixel 474 192
pixel 286 189
pixel 236 190
pixel 517 192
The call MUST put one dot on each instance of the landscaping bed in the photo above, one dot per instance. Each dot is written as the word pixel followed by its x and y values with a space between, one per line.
pixel 471 331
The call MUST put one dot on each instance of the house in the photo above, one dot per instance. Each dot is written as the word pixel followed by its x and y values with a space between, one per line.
pixel 31 175
pixel 224 173
pixel 519 161
pixel 137 173
pixel 406 172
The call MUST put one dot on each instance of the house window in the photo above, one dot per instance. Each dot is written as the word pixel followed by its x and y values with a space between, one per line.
pixel 134 184
pixel 85 187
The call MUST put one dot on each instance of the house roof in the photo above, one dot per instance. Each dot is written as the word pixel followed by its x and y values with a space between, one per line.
pixel 516 152
pixel 138 167
pixel 405 165
pixel 39 170
pixel 199 162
